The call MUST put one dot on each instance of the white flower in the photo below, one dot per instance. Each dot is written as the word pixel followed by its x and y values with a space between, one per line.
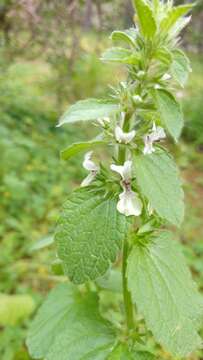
pixel 156 134
pixel 89 165
pixel 148 145
pixel 129 202
pixel 124 170
pixel 124 137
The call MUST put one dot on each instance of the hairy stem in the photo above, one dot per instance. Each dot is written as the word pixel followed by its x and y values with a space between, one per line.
pixel 129 310
pixel 128 305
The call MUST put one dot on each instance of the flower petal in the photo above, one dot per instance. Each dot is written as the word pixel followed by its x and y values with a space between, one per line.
pixel 148 148
pixel 123 137
pixel 88 164
pixel 129 203
pixel 123 170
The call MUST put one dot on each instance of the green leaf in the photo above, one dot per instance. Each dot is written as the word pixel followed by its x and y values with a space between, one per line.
pixel 89 234
pixel 158 178
pixel 76 148
pixel 170 112
pixel 179 26
pixel 165 294
pixel 173 15
pixel 68 326
pixel 42 243
pixel 120 55
pixel 126 36
pixel 145 18
pixel 180 67
pixel 164 56
pixel 88 110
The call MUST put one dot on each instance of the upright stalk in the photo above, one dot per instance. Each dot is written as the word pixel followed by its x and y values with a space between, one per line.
pixel 128 305
pixel 129 311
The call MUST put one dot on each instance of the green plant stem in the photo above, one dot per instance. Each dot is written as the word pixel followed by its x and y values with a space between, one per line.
pixel 128 305
pixel 129 310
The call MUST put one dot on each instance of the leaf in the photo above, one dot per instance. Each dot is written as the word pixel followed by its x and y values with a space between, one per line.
pixel 158 178
pixel 15 308
pixel 164 56
pixel 179 26
pixel 180 67
pixel 89 234
pixel 170 112
pixel 88 110
pixel 126 36
pixel 76 148
pixel 173 15
pixel 120 55
pixel 68 326
pixel 145 17
pixel 165 294
pixel 42 243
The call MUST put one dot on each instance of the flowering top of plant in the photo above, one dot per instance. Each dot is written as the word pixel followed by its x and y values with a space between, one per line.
pixel 124 206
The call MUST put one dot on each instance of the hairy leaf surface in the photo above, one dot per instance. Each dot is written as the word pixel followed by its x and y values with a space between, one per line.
pixel 173 15
pixel 89 234
pixel 145 18
pixel 87 110
pixel 120 55
pixel 76 148
pixel 180 67
pixel 170 112
pixel 158 178
pixel 68 326
pixel 165 294
pixel 126 36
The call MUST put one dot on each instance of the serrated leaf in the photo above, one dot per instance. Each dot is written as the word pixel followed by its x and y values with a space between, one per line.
pixel 89 234
pixel 68 326
pixel 146 20
pixel 120 55
pixel 170 112
pixel 88 110
pixel 173 15
pixel 165 294
pixel 76 148
pixel 158 178
pixel 180 67
pixel 126 36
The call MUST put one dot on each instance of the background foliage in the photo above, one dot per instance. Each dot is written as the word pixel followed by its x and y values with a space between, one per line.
pixel 49 57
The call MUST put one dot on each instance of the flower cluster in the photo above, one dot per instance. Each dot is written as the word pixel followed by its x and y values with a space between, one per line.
pixel 129 201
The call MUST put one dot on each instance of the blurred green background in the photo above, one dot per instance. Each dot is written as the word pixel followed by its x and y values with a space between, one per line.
pixel 49 57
